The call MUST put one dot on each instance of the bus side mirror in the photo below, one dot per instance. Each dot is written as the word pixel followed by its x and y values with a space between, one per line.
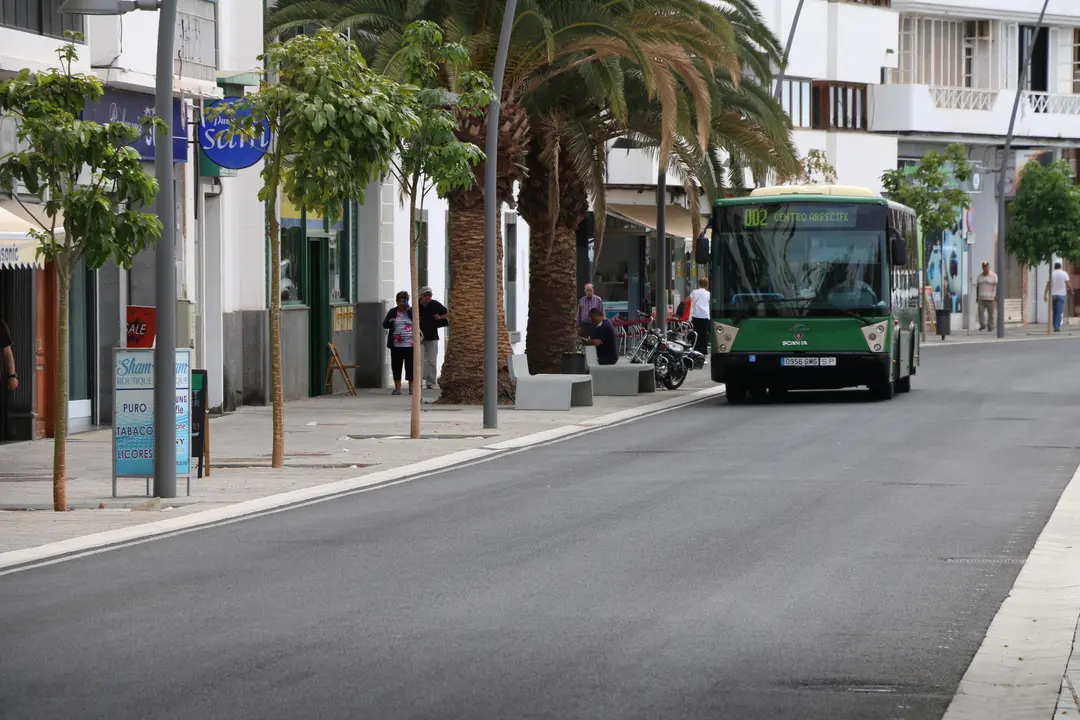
pixel 899 250
pixel 702 256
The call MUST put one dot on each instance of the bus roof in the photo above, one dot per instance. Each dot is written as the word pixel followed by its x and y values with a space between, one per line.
pixel 808 192
pixel 823 193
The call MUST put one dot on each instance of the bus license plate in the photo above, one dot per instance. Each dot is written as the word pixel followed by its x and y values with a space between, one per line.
pixel 808 362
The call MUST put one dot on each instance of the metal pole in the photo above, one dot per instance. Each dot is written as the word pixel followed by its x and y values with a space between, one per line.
pixel 491 214
pixel 787 49
pixel 1004 165
pixel 165 265
pixel 661 250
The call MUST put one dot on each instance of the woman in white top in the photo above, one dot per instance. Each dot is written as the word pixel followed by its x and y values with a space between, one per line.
pixel 700 314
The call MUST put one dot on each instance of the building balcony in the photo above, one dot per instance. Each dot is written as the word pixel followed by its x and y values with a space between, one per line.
pixel 968 111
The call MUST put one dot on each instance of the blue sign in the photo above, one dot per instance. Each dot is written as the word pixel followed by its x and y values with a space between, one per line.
pixel 129 108
pixel 133 413
pixel 239 151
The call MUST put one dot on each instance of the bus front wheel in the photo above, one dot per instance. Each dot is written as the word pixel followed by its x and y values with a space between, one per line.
pixel 736 393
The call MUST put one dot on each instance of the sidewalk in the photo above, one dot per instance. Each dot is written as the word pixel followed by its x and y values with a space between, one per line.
pixel 327 439
pixel 1012 332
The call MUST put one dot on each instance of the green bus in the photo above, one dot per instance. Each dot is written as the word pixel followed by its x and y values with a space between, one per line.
pixel 813 288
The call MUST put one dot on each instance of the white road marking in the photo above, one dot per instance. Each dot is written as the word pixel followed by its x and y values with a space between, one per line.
pixel 64 550
pixel 1017 672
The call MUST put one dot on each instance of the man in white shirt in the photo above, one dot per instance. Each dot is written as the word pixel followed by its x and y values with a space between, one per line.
pixel 700 314
pixel 986 294
pixel 1057 287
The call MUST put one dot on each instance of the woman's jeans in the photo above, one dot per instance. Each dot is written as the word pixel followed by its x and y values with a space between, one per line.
pixel 1059 310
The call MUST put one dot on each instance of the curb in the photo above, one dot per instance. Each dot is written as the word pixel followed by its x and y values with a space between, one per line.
pixel 1017 672
pixel 27 558
pixel 990 340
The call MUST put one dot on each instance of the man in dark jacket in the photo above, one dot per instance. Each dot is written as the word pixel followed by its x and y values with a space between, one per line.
pixel 433 315
pixel 603 337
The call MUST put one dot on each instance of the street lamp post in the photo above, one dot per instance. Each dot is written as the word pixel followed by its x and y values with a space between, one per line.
pixel 165 259
pixel 491 213
pixel 1004 164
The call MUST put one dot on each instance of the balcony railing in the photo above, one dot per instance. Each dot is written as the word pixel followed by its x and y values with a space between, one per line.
pixel 951 98
pixel 1040 102
pixel 872 3
pixel 196 39
pixel 40 17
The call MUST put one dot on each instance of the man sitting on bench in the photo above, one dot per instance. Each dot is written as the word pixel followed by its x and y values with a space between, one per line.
pixel 603 337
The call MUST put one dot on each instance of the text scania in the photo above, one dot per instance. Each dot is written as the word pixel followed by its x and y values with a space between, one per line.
pixel 790 343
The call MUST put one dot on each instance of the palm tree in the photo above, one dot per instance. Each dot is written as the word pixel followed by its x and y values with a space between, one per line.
pixel 579 111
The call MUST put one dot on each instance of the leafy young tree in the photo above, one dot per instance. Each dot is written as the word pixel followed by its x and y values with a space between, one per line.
pixel 431 157
pixel 927 190
pixel 815 169
pixel 90 179
pixel 335 125
pixel 1045 215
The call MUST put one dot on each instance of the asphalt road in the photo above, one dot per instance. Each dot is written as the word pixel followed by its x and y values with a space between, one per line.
pixel 829 558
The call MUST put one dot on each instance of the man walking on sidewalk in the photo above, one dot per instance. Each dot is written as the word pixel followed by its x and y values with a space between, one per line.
pixel 986 292
pixel 1057 287
pixel 433 316
pixel 11 378
pixel 586 305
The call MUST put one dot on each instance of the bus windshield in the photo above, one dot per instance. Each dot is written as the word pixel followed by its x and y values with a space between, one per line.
pixel 801 260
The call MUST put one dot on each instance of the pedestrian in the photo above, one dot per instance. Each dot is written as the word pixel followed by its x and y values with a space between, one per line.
pixel 399 339
pixel 700 314
pixel 602 335
pixel 11 378
pixel 1057 287
pixel 585 306
pixel 433 315
pixel 986 284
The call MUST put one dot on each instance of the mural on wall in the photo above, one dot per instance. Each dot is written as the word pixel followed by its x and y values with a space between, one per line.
pixel 948 261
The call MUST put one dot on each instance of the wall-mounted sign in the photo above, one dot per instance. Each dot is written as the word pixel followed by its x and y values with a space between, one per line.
pixel 141 326
pixel 239 151
pixel 129 108
pixel 133 413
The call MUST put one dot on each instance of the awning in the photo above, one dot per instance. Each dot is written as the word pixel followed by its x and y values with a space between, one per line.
pixel 18 249
pixel 678 221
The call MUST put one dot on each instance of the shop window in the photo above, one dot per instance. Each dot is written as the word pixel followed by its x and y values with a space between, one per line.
pixel 339 268
pixel 795 96
pixel 839 106
pixel 510 271
pixel 292 265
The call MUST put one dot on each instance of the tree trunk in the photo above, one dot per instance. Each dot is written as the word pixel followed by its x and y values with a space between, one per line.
pixel 277 394
pixel 416 387
pixel 462 378
pixel 61 408
pixel 553 321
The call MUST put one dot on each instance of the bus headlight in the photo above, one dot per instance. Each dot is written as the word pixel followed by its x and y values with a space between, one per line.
pixel 724 337
pixel 874 336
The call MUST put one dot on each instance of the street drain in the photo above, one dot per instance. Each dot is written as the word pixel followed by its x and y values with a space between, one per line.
pixel 987 561
pixel 897 483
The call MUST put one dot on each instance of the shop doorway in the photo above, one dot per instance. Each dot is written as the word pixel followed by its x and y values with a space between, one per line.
pixel 82 339
pixel 319 323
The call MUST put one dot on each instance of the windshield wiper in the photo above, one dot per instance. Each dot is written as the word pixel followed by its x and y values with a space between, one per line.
pixel 845 311
pixel 738 317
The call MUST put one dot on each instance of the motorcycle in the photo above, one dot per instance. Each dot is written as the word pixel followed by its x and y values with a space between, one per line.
pixel 672 358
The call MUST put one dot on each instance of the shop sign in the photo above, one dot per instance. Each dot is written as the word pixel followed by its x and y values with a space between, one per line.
pixel 236 152
pixel 129 107
pixel 141 326
pixel 133 413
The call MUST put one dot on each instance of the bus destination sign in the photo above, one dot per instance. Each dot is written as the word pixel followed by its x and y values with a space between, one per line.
pixel 806 216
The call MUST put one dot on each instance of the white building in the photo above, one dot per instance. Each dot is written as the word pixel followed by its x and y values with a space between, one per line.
pixel 955 81
pixel 220 240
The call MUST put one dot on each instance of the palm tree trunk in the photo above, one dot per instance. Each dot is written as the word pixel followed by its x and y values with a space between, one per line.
pixel 278 395
pixel 417 385
pixel 61 379
pixel 462 378
pixel 553 322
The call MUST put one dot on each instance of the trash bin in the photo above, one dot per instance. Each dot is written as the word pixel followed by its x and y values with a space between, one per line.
pixel 943 320
pixel 573 363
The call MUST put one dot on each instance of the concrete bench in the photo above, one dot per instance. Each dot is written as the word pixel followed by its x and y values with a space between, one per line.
pixel 548 392
pixel 619 379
